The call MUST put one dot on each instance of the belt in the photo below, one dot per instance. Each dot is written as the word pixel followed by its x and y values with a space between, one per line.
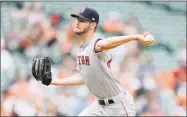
pixel 112 100
pixel 109 101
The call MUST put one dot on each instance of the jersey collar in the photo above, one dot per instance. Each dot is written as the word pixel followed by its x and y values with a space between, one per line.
pixel 87 43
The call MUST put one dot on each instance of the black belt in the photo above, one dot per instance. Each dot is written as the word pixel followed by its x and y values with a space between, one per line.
pixel 102 102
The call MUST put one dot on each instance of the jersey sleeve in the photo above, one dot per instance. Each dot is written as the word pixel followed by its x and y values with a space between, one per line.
pixel 95 42
pixel 103 55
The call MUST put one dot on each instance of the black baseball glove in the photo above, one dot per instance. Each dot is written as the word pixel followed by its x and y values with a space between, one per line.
pixel 41 70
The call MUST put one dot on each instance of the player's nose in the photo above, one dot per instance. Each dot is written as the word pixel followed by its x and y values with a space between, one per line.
pixel 77 22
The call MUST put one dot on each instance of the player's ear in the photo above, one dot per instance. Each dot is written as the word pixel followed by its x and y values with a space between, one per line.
pixel 93 25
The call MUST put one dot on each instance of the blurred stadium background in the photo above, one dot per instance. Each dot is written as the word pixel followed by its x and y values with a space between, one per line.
pixel 155 76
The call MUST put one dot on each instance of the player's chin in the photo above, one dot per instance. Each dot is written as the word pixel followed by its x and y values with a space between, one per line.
pixel 77 31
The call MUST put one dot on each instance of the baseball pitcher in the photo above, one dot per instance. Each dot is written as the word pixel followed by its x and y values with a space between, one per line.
pixel 94 70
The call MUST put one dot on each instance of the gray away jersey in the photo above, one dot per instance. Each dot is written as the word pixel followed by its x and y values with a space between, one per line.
pixel 95 71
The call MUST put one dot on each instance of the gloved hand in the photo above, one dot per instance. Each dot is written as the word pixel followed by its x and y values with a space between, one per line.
pixel 41 70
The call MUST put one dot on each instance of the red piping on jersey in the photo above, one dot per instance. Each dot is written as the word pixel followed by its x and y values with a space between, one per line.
pixel 108 63
pixel 124 108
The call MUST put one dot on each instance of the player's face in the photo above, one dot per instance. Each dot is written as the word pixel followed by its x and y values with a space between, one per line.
pixel 81 26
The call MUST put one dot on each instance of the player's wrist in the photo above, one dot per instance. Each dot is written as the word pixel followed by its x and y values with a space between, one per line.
pixel 138 37
pixel 53 82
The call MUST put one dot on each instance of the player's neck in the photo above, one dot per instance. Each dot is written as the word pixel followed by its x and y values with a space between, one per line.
pixel 84 38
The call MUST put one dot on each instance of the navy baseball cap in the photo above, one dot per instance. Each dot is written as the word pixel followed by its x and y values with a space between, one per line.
pixel 88 14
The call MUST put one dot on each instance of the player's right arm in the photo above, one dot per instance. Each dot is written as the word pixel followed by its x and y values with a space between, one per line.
pixel 112 42
pixel 76 79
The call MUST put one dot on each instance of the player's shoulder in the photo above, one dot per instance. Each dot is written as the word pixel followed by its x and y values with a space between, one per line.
pixel 97 38
pixel 95 41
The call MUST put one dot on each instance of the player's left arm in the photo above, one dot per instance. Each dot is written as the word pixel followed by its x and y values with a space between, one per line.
pixel 113 42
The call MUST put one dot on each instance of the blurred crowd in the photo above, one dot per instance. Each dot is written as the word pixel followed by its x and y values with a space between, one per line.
pixel 156 91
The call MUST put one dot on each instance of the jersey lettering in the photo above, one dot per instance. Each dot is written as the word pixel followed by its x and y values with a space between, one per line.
pixel 79 59
pixel 83 60
pixel 87 60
